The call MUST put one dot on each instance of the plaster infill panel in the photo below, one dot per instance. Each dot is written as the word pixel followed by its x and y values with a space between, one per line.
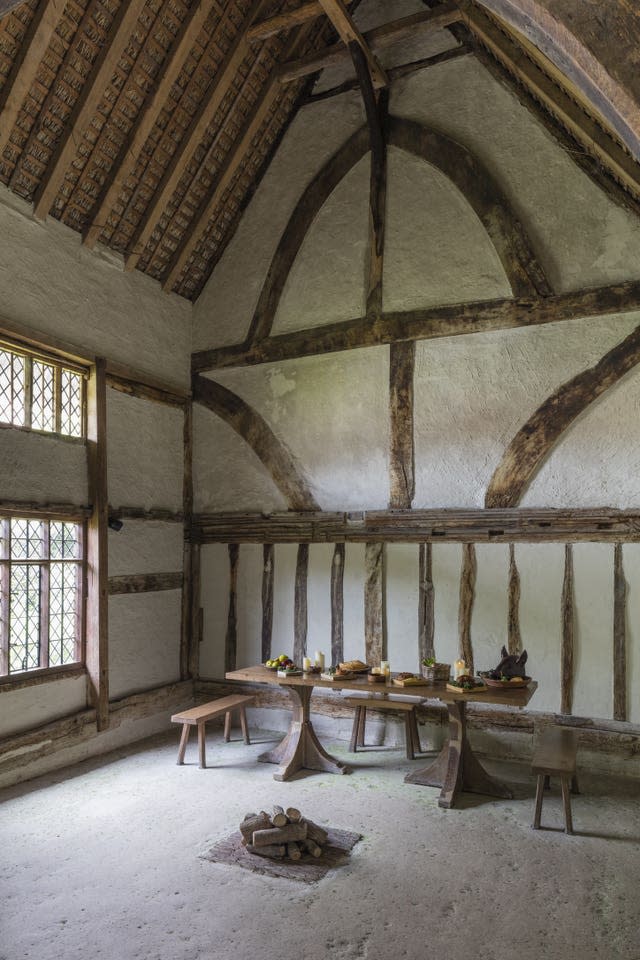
pixel 353 586
pixel 447 567
pixel 401 575
pixel 436 249
pixel 145 546
pixel 53 284
pixel 249 648
pixel 541 569
pixel 227 474
pixel 214 601
pixel 319 599
pixel 581 237
pixel 41 468
pixel 332 414
pixel 144 641
pixel 631 562
pixel 145 453
pixel 593 633
pixel 223 311
pixel 31 707
pixel 472 394
pixel 490 607
pixel 326 282
pixel 597 460
pixel 284 579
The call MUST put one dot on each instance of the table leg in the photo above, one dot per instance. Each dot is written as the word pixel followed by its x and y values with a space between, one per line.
pixel 456 768
pixel 301 749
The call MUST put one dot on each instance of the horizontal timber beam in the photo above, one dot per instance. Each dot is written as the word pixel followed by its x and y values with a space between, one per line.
pixel 31 508
pixel 285 21
pixel 453 320
pixel 145 583
pixel 511 525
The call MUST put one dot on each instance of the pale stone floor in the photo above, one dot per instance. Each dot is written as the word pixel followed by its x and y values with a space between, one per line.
pixel 102 860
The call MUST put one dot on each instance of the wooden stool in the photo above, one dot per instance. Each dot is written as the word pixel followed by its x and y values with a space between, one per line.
pixel 555 756
pixel 408 707
pixel 198 716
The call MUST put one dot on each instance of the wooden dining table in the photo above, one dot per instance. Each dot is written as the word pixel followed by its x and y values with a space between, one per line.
pixel 455 769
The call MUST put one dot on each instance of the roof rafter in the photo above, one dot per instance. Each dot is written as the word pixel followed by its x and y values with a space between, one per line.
pixel 6 6
pixel 147 117
pixel 349 34
pixel 286 21
pixel 207 109
pixel 25 67
pixel 86 105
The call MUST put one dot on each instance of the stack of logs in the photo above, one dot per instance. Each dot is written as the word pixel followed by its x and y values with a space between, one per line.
pixel 286 833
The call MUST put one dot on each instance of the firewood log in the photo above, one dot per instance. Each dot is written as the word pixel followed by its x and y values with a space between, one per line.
pixel 293 814
pixel 279 817
pixel 258 821
pixel 275 851
pixel 293 851
pixel 312 847
pixel 293 831
pixel 315 832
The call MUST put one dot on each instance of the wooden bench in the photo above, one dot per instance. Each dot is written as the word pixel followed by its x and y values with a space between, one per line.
pixel 555 756
pixel 406 706
pixel 198 716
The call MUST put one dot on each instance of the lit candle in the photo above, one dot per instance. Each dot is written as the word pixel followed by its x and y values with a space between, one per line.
pixel 306 663
pixel 319 659
pixel 385 668
pixel 459 668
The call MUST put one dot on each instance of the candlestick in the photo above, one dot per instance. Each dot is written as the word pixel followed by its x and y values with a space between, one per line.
pixel 319 659
pixel 306 663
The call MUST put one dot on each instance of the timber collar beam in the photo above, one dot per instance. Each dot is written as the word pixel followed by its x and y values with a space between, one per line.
pixel 481 316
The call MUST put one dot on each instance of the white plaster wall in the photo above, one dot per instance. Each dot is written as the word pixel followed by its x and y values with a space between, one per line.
pixel 227 474
pixel 541 568
pixel 593 651
pixel 326 281
pixel 631 560
pixel 29 707
pixel 401 576
pixel 249 636
pixel 472 394
pixel 52 283
pixel 319 599
pixel 145 546
pixel 144 452
pixel 436 249
pixel 144 641
pixel 214 601
pixel 42 468
pixel 332 414
pixel 447 564
pixel 284 575
pixel 353 588
pixel 490 608
pixel 224 309
pixel 582 238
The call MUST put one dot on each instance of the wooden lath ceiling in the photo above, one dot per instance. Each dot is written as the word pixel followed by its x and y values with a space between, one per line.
pixel 146 124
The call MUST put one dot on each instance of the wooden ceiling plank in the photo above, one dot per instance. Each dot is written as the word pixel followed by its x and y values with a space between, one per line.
pixel 208 107
pixel 87 104
pixel 26 65
pixel 427 21
pixel 254 120
pixel 7 6
pixel 285 21
pixel 349 33
pixel 147 117
pixel 586 130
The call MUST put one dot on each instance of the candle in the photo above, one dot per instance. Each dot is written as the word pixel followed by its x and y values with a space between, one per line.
pixel 306 663
pixel 459 668
pixel 385 668
pixel 319 659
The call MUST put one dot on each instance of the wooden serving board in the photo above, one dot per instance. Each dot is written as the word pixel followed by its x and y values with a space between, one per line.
pixel 478 689
pixel 409 682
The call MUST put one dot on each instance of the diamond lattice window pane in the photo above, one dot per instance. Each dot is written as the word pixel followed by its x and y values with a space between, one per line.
pixel 64 541
pixel 24 618
pixel 27 539
pixel 64 598
pixel 11 388
pixel 43 397
pixel 71 403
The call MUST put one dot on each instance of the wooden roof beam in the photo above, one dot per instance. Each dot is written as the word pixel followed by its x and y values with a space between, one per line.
pixel 26 65
pixel 564 108
pixel 147 117
pixel 6 6
pixel 286 21
pixel 207 109
pixel 87 105
pixel 427 21
pixel 349 34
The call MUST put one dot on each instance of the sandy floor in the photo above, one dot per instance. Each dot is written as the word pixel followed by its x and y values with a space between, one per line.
pixel 103 861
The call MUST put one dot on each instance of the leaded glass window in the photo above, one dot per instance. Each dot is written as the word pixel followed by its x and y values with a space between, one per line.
pixel 41 394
